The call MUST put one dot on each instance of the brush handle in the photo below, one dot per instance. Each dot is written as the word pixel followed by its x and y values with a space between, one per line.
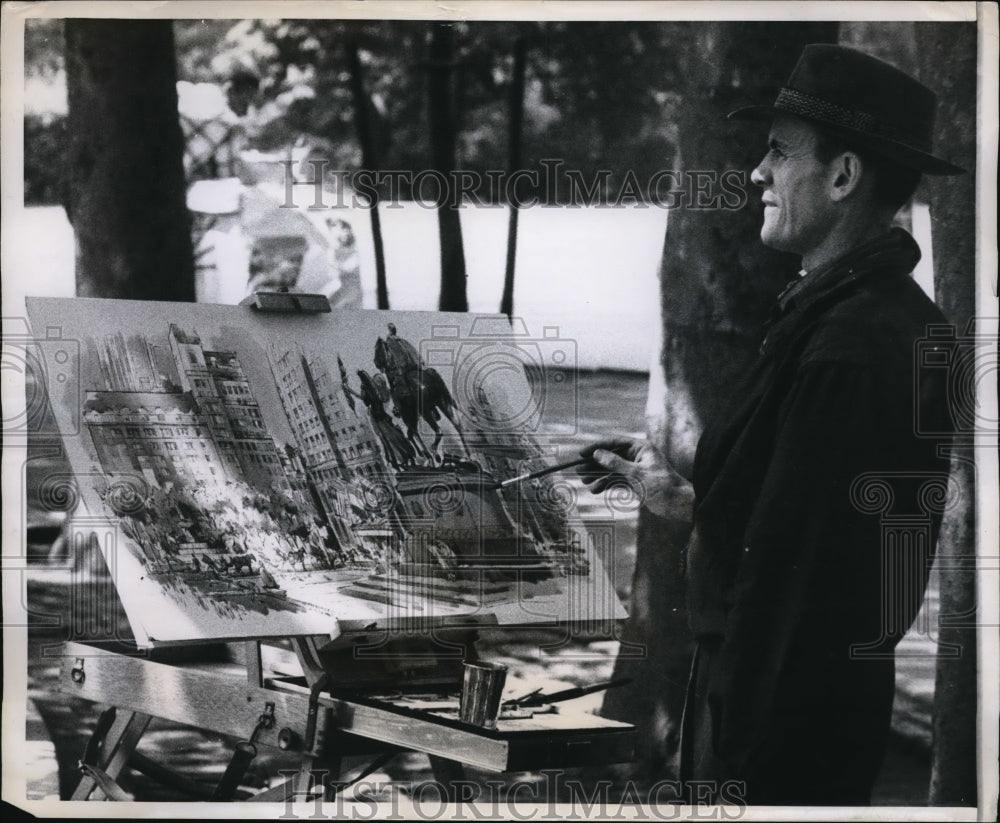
pixel 549 470
pixel 570 694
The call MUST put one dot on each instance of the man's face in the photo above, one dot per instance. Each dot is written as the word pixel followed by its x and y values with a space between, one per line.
pixel 797 206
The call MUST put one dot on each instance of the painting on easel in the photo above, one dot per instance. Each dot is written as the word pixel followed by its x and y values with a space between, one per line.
pixel 273 475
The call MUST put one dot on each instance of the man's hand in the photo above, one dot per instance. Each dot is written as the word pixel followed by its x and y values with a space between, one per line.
pixel 644 469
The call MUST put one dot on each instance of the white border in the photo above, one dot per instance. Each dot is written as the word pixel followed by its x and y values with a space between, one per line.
pixel 988 516
pixel 987 456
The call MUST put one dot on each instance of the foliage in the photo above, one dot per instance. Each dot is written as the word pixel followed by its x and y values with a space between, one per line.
pixel 44 145
pixel 598 95
pixel 43 47
pixel 44 124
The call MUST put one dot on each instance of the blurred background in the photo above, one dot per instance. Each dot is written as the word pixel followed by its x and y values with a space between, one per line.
pixel 255 95
pixel 161 159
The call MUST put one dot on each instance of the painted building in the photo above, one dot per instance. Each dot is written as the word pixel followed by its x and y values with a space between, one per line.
pixel 130 366
pixel 208 428
pixel 220 387
pixel 336 443
pixel 195 378
pixel 255 449
pixel 159 435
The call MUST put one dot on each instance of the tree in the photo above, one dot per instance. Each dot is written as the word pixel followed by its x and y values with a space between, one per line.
pixel 440 114
pixel 948 64
pixel 362 108
pixel 514 154
pixel 717 283
pixel 125 167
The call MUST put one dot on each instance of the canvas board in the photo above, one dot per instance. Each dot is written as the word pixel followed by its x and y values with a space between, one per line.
pixel 254 475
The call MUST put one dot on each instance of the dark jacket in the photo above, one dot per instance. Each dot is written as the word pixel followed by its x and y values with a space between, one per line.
pixel 804 574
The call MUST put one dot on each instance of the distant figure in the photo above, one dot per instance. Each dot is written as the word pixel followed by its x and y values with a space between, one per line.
pixel 333 270
pixel 345 263
pixel 241 91
pixel 276 264
pixel 215 122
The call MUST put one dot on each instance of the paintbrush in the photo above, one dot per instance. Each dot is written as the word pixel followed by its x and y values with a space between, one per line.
pixel 536 699
pixel 501 484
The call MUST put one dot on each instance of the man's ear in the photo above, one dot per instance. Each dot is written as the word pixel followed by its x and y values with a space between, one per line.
pixel 846 171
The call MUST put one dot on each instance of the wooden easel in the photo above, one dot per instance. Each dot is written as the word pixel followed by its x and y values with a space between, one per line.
pixel 307 716
pixel 316 703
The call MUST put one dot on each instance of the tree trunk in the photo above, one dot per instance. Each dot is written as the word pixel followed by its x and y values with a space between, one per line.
pixel 369 162
pixel 948 65
pixel 514 146
pixel 127 190
pixel 717 281
pixel 442 126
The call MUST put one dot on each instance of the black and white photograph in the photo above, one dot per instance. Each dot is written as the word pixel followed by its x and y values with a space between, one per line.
pixel 548 410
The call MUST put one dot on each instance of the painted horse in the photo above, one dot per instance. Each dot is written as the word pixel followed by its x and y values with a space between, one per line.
pixel 417 391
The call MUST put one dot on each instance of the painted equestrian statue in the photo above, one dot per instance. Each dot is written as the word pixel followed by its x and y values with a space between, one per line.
pixel 418 392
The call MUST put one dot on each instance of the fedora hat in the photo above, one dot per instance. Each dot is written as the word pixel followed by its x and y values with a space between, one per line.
pixel 863 99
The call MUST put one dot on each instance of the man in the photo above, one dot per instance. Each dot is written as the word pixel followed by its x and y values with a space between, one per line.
pixel 795 598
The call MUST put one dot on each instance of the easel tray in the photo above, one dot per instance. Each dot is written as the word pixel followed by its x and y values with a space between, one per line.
pixel 227 703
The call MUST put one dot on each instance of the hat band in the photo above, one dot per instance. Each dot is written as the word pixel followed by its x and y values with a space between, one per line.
pixel 816 108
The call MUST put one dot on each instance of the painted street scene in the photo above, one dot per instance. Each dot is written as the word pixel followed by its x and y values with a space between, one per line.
pixel 343 481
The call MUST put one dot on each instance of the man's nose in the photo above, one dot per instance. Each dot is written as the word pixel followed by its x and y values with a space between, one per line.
pixel 760 175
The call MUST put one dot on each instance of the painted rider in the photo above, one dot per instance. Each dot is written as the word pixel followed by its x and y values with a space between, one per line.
pixel 404 361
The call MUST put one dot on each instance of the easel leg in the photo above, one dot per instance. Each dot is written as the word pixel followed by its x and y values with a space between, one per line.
pixel 300 786
pixel 119 743
pixel 447 773
pixel 324 770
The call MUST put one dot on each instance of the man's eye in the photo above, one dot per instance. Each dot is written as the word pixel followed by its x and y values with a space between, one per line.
pixel 775 152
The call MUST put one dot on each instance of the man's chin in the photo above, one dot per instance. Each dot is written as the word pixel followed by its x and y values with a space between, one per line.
pixel 772 242
pixel 768 241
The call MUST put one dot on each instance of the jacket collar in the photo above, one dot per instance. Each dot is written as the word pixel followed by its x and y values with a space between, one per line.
pixel 895 251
